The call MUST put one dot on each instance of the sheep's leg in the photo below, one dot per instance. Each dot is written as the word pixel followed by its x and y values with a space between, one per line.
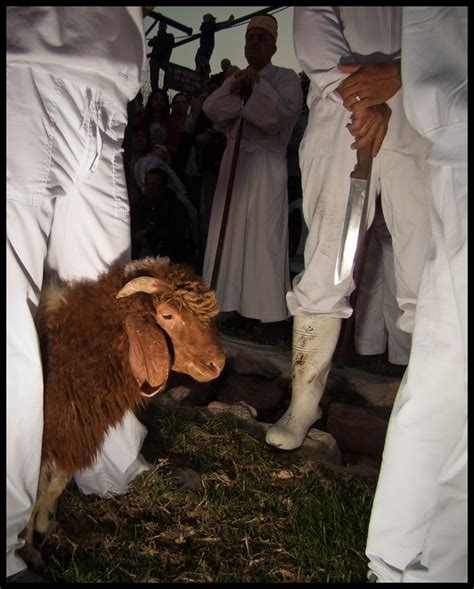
pixel 56 481
pixel 51 484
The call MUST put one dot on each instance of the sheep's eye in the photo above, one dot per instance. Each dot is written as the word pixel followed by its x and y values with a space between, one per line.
pixel 168 317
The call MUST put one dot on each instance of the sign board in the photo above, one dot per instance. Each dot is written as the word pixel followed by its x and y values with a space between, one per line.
pixel 183 80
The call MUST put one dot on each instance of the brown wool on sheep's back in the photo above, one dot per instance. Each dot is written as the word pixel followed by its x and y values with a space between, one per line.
pixel 75 326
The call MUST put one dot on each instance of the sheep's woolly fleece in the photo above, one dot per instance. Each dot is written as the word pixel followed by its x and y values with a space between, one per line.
pixel 185 288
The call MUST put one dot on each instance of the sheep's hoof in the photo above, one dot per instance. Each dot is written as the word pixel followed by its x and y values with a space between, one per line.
pixel 45 522
pixel 32 557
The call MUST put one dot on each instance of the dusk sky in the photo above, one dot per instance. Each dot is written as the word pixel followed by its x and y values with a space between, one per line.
pixel 229 42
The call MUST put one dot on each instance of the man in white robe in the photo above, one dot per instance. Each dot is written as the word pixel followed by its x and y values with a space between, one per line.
pixel 254 275
pixel 326 37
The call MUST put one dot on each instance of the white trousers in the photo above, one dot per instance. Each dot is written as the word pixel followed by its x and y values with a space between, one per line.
pixel 397 173
pixel 68 211
pixel 418 526
pixel 376 310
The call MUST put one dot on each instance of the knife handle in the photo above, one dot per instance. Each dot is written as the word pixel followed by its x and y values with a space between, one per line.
pixel 364 163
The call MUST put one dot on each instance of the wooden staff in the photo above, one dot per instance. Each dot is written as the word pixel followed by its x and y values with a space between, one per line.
pixel 228 197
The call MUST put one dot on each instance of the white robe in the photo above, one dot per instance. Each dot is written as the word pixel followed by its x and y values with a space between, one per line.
pixel 254 275
pixel 418 526
pixel 324 37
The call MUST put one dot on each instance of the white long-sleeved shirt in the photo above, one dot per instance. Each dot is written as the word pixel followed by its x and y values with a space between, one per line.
pixel 271 110
pixel 325 36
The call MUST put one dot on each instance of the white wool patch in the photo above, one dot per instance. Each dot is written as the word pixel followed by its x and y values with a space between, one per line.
pixel 145 264
pixel 53 296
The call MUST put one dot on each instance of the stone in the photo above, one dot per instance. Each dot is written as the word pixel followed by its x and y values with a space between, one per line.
pixel 249 358
pixel 174 396
pixel 241 410
pixel 318 445
pixel 356 430
pixel 252 389
pixel 364 471
pixel 186 477
pixel 323 446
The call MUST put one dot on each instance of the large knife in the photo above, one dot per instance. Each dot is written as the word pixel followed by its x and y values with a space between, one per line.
pixel 355 222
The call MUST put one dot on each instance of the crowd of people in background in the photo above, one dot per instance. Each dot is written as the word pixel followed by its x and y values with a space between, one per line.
pixel 168 131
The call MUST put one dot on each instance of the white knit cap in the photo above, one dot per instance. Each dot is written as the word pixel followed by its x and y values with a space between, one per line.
pixel 266 22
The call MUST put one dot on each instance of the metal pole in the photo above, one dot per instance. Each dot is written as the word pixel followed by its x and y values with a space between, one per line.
pixel 234 22
pixel 169 21
pixel 228 197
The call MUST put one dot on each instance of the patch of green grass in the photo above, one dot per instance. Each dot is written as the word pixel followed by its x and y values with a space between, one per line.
pixel 262 516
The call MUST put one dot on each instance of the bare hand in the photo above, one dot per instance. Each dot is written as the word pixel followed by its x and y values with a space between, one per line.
pixel 244 80
pixel 369 125
pixel 373 83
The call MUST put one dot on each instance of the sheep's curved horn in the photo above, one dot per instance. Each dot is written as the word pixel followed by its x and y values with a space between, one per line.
pixel 147 284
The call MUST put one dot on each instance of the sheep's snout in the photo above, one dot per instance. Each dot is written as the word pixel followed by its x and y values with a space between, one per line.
pixel 204 371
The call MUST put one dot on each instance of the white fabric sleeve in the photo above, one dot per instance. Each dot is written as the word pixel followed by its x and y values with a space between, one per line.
pixel 269 108
pixel 319 44
pixel 222 106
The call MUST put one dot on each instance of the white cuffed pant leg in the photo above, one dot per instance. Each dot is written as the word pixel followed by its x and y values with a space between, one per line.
pixel 68 211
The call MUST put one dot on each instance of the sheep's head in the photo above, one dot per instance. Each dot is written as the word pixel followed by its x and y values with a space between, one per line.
pixel 184 310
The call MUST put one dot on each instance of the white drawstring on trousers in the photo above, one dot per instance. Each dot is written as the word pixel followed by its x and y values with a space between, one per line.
pixel 93 115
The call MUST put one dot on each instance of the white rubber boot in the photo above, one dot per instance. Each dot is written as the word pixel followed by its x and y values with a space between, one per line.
pixel 314 342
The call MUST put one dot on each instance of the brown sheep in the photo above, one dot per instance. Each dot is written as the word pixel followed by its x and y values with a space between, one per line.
pixel 107 345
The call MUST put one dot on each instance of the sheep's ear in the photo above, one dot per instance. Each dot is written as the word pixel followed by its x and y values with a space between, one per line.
pixel 148 354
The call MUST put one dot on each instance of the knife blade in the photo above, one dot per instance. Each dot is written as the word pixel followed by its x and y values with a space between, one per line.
pixel 355 221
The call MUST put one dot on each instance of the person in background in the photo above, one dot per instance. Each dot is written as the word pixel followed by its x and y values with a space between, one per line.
pixel 67 213
pixel 157 114
pixel 198 123
pixel 209 143
pixel 254 274
pixel 326 38
pixel 208 29
pixel 418 525
pixel 162 45
pixel 138 117
pixel 160 221
pixel 227 69
pixel 296 229
pixel 159 158
pixel 178 135
pixel 225 65
pixel 139 147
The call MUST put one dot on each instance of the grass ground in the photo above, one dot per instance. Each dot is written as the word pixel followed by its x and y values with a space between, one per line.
pixel 251 515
